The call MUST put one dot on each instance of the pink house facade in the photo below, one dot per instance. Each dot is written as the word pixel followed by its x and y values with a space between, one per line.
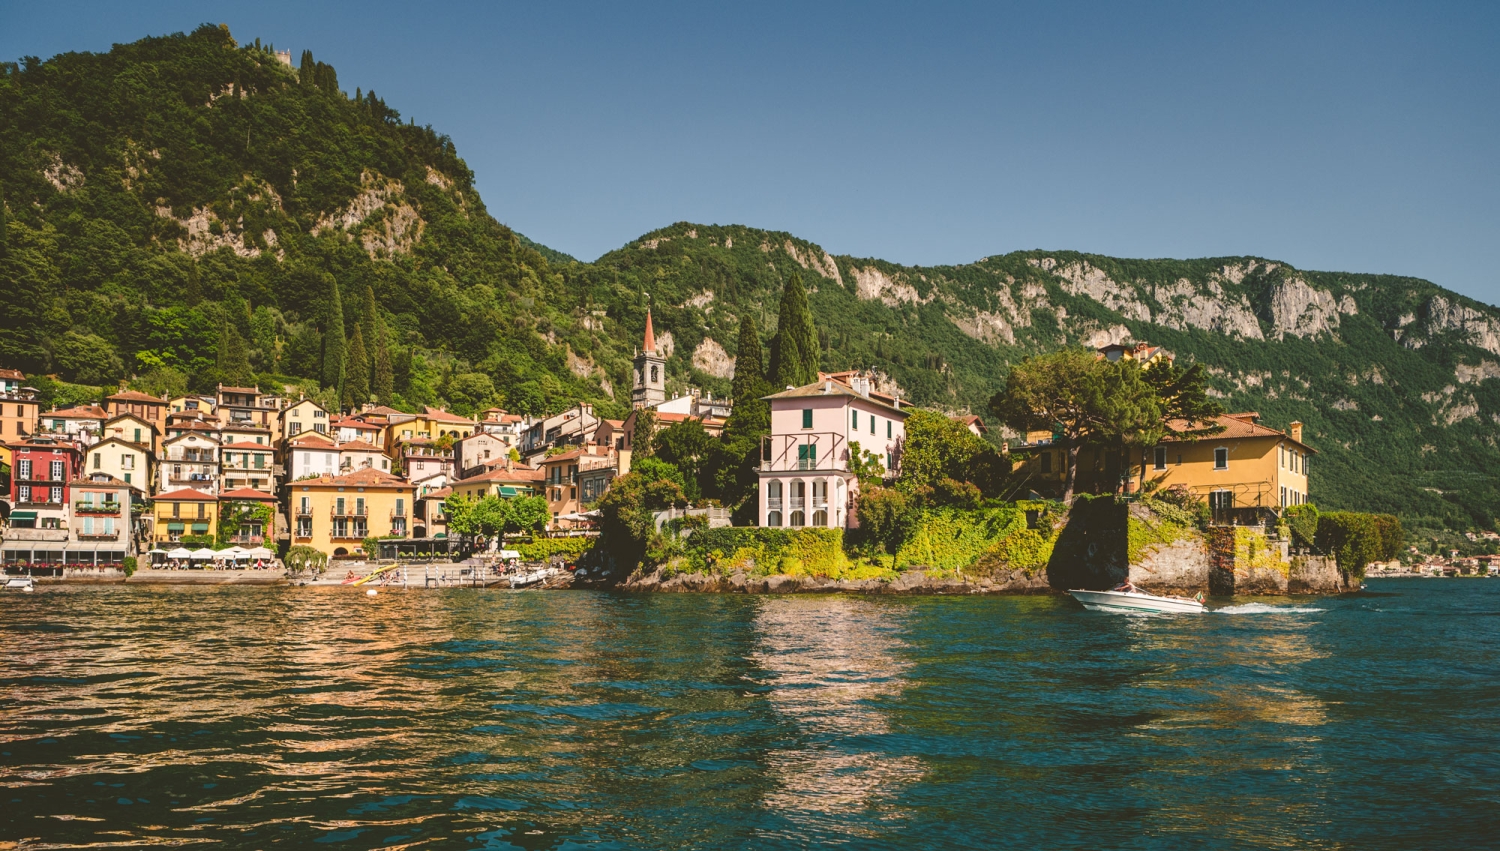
pixel 804 469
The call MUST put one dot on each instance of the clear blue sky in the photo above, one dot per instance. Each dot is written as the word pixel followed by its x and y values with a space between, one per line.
pixel 1358 137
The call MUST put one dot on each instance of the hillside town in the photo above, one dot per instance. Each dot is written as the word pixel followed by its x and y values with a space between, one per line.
pixel 237 477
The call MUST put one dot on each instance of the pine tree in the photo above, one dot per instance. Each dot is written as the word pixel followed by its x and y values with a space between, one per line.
pixel 369 319
pixel 307 70
pixel 237 362
pixel 385 374
pixel 333 337
pixel 794 351
pixel 357 373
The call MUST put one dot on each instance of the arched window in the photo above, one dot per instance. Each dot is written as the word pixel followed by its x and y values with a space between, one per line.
pixel 799 494
pixel 773 518
pixel 820 518
pixel 773 494
pixel 798 519
pixel 653 373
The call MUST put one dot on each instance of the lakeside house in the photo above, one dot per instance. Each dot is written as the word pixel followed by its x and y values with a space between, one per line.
pixel 248 465
pixel 804 472
pixel 184 512
pixel 191 460
pixel 130 462
pixel 334 514
pixel 303 417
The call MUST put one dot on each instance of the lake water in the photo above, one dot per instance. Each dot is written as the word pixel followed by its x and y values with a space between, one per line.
pixel 301 717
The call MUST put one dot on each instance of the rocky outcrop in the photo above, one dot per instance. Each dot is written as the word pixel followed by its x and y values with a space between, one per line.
pixel 1177 568
pixel 910 582
pixel 1301 310
pixel 1476 328
pixel 711 358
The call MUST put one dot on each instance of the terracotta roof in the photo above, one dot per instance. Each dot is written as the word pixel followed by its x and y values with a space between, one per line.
pixel 362 478
pixel 358 446
pixel 351 422
pixel 615 423
pixel 123 442
pixel 196 425
pixel 245 444
pixel 191 433
pixel 252 391
pixel 972 420
pixel 134 396
pixel 436 415
pixel 1235 427
pixel 440 493
pixel 677 418
pixel 517 473
pixel 142 420
pixel 247 493
pixel 12 373
pixel 312 437
pixel 44 442
pixel 186 495
pixel 79 412
pixel 829 388
pixel 384 411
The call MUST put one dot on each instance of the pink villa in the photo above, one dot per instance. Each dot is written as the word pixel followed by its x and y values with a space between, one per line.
pixel 804 469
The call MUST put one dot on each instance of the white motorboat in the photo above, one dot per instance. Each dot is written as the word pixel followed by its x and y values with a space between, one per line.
pixel 1128 599
pixel 525 579
pixel 20 583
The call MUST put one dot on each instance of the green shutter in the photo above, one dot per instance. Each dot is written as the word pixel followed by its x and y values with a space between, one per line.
pixel 807 417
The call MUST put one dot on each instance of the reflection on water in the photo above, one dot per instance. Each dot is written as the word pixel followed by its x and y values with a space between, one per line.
pixel 257 718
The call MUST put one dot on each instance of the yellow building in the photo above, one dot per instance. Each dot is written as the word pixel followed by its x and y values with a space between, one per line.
pixel 300 418
pixel 432 424
pixel 334 514
pixel 1243 470
pixel 131 463
pixel 185 512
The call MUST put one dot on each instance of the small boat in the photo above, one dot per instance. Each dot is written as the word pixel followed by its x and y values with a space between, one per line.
pixel 528 578
pixel 1126 598
pixel 20 583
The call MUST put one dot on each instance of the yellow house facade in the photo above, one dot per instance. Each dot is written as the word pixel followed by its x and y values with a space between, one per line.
pixel 129 462
pixel 301 418
pixel 334 514
pixel 185 512
pixel 1245 466
pixel 500 481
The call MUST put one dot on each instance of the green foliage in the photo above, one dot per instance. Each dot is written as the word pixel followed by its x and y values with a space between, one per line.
pixel 130 565
pixel 886 518
pixel 751 416
pixel 196 542
pixel 1355 539
pixel 628 509
pixel 687 447
pixel 794 349
pixel 939 448
pixel 950 539
pixel 1167 527
pixel 302 559
pixel 493 516
pixel 333 337
pixel 1179 507
pixel 867 467
pixel 543 549
pixel 357 373
pixel 1302 522
pixel 761 552
pixel 1252 551
pixel 234 515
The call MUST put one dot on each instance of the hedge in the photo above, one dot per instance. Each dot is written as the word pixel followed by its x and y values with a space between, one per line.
pixel 1355 539
pixel 763 551
pixel 952 539
pixel 543 549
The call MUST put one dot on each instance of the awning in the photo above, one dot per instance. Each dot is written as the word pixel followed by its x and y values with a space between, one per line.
pixel 200 528
pixel 174 527
pixel 23 515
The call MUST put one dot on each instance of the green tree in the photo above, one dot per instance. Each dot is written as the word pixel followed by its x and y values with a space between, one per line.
pixel 307 70
pixel 385 377
pixel 86 359
pixel 751 417
pixel 886 517
pixel 686 446
pixel 643 438
pixel 369 318
pixel 627 511
pixel 232 363
pixel 333 337
pixel 357 373
pixel 794 350
pixel 937 448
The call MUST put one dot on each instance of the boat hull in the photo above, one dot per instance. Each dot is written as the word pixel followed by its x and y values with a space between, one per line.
pixel 1135 602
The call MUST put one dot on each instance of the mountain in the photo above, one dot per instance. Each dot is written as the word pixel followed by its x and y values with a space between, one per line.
pixel 182 191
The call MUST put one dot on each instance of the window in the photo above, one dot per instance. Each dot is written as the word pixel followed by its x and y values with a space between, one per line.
pixel 855 421
pixel 400 507
pixel 127 462
pixel 1221 458
pixel 359 506
pixel 202 511
pixel 23 468
pixel 304 527
pixel 1283 497
pixel 807 456
pixel 56 495
pixel 338 506
pixel 1046 462
pixel 872 424
pixel 98 461
pixel 888 429
pixel 318 414
pixel 57 471
pixel 294 428
pixel 320 428
pixel 176 509
pixel 807 417
pixel 127 478
pixel 23 493
pixel 773 495
pixel 653 378
pixel 773 518
pixel 1305 459
pixel 1220 500
pixel 305 507
pixel 137 435
pixel 1161 457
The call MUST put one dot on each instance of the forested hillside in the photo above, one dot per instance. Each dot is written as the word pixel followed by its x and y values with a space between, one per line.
pixel 187 209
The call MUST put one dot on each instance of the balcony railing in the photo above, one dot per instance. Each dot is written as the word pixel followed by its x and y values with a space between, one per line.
pixel 83 507
pixel 803 451
pixel 773 503
pixel 98 536
pixel 397 512
pixel 351 534
pixel 797 503
pixel 248 539
pixel 349 511
pixel 304 512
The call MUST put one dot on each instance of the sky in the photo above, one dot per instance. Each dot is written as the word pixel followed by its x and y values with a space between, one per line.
pixel 1353 137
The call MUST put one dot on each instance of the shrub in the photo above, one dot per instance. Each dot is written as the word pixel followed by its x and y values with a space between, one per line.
pixel 543 549
pixel 304 558
pixel 1302 520
pixel 1355 539
pixel 952 539
pixel 761 551
pixel 130 564
pixel 886 517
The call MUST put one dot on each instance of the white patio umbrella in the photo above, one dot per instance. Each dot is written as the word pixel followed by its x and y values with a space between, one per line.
pixel 180 552
pixel 258 552
pixel 204 553
pixel 158 552
pixel 228 554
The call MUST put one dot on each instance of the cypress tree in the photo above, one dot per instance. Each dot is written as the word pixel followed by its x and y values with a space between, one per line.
pixel 794 351
pixel 333 337
pixel 307 70
pixel 385 375
pixel 4 229
pixel 369 319
pixel 751 416
pixel 357 375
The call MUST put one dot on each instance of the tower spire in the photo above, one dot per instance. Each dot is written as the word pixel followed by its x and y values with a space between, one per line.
pixel 650 335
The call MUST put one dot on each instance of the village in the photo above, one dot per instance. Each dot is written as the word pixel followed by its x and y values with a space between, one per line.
pixel 241 478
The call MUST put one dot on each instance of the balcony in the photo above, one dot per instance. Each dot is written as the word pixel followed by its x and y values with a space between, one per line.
pixel 109 508
pixel 797 503
pixel 773 503
pixel 349 511
pixel 241 467
pixel 98 536
pixel 804 451
pixel 352 534
pixel 248 540
pixel 304 512
pixel 398 513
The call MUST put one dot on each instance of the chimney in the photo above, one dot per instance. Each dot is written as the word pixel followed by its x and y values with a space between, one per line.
pixel 1295 431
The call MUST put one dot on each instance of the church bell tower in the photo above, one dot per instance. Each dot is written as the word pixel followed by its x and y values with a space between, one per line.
pixel 650 387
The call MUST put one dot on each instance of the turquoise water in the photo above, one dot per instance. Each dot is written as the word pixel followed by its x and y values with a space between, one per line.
pixel 308 718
